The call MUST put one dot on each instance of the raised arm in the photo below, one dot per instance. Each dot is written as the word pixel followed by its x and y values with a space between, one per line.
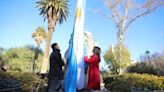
pixel 93 59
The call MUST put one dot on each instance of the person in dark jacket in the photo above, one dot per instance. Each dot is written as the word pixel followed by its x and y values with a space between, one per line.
pixel 55 73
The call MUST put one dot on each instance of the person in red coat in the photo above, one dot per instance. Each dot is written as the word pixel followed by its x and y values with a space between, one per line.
pixel 94 71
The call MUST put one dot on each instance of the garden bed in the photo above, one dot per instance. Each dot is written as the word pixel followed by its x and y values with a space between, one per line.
pixel 134 82
pixel 28 81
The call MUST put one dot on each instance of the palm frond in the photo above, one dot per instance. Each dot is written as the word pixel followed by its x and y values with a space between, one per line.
pixel 60 9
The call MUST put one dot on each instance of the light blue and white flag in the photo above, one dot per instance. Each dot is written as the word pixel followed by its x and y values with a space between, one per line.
pixel 75 73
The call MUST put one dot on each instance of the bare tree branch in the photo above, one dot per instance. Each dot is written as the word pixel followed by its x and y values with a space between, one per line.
pixel 150 9
pixel 100 12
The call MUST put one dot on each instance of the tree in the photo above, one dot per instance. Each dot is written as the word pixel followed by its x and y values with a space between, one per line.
pixel 21 59
pixel 39 35
pixel 152 64
pixel 1 59
pixel 112 56
pixel 55 11
pixel 125 12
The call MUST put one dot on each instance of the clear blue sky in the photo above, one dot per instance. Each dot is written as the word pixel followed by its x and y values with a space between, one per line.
pixel 19 18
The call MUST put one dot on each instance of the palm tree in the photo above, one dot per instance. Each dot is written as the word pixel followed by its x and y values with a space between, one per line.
pixel 55 11
pixel 39 35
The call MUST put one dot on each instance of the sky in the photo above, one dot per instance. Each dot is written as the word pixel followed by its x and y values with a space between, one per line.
pixel 20 18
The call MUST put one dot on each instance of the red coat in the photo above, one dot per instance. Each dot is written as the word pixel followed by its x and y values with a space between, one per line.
pixel 94 72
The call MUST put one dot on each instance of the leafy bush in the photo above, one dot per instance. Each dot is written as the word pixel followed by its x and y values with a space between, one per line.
pixel 28 81
pixel 21 59
pixel 126 82
pixel 143 67
pixel 153 64
pixel 112 57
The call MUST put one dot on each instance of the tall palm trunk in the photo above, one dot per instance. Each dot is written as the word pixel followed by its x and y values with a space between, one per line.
pixel 51 26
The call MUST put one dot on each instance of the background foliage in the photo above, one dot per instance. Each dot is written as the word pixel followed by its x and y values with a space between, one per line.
pixel 112 56
pixel 128 82
pixel 20 58
pixel 152 64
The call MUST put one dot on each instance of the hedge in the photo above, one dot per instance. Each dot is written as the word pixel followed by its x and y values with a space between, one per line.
pixel 127 82
pixel 28 81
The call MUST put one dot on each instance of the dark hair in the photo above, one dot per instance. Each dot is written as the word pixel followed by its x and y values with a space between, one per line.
pixel 53 45
pixel 97 50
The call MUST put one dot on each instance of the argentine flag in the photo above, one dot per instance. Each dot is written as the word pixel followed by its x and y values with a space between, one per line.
pixel 75 74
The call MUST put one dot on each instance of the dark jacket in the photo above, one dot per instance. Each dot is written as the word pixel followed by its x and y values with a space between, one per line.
pixel 56 64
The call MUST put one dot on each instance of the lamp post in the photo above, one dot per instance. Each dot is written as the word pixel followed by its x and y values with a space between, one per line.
pixel 148 56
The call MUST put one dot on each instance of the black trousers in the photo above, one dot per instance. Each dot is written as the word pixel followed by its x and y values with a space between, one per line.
pixel 53 82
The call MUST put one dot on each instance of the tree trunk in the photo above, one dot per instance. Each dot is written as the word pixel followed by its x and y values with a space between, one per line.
pixel 35 59
pixel 120 43
pixel 51 26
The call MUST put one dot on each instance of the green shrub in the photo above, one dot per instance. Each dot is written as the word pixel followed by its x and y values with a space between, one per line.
pixel 21 59
pixel 145 67
pixel 28 81
pixel 151 64
pixel 126 82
